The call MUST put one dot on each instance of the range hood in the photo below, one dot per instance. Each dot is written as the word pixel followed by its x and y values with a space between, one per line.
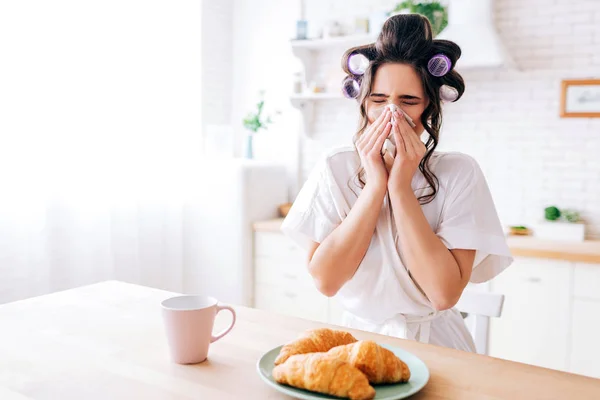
pixel 471 26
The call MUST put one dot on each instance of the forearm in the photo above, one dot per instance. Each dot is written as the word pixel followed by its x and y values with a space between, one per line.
pixel 337 258
pixel 430 262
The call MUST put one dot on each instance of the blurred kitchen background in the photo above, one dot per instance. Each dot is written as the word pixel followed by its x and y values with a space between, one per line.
pixel 160 143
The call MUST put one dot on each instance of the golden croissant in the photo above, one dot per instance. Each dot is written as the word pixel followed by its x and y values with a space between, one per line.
pixel 378 364
pixel 314 341
pixel 319 373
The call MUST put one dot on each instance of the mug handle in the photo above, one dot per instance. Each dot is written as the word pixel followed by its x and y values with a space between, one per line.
pixel 226 331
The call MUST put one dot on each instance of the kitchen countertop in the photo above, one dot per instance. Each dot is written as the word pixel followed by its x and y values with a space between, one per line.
pixel 523 246
pixel 271 225
pixel 106 341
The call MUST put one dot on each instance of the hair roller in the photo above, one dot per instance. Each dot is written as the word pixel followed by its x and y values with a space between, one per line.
pixel 358 63
pixel 351 87
pixel 448 93
pixel 439 65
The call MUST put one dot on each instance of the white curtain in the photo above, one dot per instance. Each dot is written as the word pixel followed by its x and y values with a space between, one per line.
pixel 99 142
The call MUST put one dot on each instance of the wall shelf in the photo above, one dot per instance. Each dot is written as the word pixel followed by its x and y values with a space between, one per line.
pixel 316 96
pixel 305 102
pixel 309 53
pixel 306 51
pixel 338 41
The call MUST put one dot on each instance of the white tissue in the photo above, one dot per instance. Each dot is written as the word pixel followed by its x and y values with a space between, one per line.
pixel 394 107
pixel 388 150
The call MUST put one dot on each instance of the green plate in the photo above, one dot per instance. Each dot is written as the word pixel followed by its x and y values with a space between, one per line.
pixel 419 375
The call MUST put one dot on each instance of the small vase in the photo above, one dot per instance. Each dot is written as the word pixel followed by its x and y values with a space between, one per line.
pixel 249 149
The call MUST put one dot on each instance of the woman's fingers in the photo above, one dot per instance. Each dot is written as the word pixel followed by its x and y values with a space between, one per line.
pixel 377 134
pixel 378 144
pixel 400 145
pixel 378 124
pixel 408 136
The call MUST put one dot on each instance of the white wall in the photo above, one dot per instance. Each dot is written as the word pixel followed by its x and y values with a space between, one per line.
pixel 217 61
pixel 262 60
pixel 508 120
pixel 99 127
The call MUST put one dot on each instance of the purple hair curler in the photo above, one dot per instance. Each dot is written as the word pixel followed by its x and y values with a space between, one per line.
pixel 358 63
pixel 439 65
pixel 350 87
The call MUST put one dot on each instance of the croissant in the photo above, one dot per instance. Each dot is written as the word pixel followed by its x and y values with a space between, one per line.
pixel 378 364
pixel 319 373
pixel 314 341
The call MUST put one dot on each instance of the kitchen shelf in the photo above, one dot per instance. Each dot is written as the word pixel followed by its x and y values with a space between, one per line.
pixel 316 96
pixel 338 41
pixel 305 103
pixel 306 51
pixel 309 54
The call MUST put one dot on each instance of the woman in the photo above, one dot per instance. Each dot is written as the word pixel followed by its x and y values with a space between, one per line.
pixel 397 247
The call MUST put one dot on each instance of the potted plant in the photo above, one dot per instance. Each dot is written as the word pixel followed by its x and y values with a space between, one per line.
pixel 434 11
pixel 254 122
pixel 560 225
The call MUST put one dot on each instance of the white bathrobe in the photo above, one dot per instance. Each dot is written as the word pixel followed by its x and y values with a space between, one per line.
pixel 382 297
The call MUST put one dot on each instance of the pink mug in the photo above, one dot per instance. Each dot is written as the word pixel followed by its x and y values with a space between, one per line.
pixel 189 323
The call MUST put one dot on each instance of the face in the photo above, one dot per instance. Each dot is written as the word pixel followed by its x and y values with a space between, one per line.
pixel 397 84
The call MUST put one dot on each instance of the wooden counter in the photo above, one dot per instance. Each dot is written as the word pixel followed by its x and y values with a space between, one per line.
pixel 271 225
pixel 586 252
pixel 521 246
pixel 106 341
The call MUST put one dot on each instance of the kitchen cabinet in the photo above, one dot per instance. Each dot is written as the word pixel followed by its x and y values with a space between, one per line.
pixel 587 281
pixel 534 327
pixel 335 312
pixel 307 304
pixel 551 315
pixel 585 344
pixel 585 347
pixel 282 283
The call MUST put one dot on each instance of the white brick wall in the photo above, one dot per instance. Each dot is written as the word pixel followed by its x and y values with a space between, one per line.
pixel 508 120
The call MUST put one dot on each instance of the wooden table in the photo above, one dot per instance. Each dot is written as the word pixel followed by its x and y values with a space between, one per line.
pixel 106 341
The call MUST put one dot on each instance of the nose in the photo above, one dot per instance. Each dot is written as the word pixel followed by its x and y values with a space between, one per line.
pixel 393 106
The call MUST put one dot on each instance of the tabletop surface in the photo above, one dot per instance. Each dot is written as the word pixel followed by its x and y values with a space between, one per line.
pixel 106 341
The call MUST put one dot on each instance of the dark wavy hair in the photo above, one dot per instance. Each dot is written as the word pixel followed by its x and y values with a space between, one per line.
pixel 408 39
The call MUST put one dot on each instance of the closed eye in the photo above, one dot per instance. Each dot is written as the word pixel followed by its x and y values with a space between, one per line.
pixel 407 99
pixel 378 97
pixel 407 103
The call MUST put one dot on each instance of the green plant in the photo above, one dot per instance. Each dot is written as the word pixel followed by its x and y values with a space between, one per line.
pixel 434 11
pixel 571 216
pixel 255 121
pixel 552 213
pixel 519 227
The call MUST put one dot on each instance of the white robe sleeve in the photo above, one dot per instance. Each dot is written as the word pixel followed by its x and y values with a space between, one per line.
pixel 314 213
pixel 469 221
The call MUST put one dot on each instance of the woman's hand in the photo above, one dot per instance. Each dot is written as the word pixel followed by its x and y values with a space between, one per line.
pixel 409 152
pixel 369 146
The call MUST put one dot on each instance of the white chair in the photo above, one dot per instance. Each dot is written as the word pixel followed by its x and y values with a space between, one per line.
pixel 480 307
